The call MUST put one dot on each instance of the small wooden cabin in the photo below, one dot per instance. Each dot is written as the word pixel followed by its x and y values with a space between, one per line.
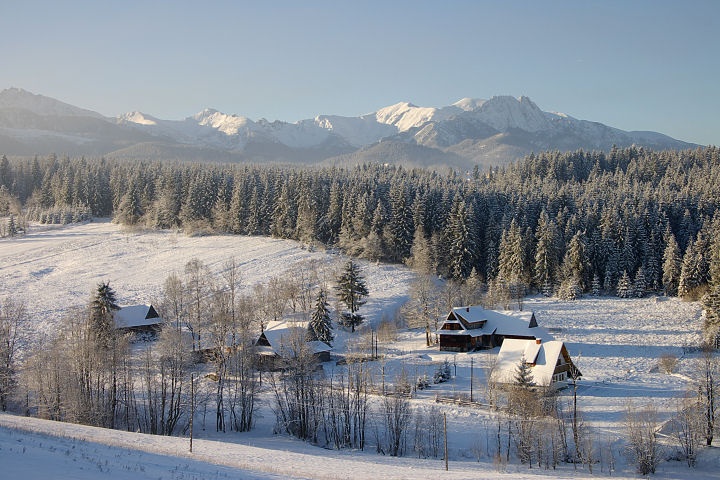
pixel 280 340
pixel 138 319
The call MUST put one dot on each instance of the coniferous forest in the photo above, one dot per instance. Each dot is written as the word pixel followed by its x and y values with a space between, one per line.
pixel 624 222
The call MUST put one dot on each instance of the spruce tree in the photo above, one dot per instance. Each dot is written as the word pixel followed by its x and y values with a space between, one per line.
pixel 671 265
pixel 352 291
pixel 689 274
pixel 102 307
pixel 523 375
pixel 12 228
pixel 575 263
pixel 640 283
pixel 320 322
pixel 624 288
pixel 460 243
pixel 546 254
pixel 510 263
pixel 595 287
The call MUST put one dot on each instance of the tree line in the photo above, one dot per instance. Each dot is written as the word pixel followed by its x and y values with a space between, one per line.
pixel 624 222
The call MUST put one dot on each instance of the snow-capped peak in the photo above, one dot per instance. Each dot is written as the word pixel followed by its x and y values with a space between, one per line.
pixel 227 124
pixel 469 104
pixel 138 118
pixel 405 115
pixel 506 112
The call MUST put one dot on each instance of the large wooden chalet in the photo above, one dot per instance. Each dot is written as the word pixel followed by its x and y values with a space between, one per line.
pixel 473 327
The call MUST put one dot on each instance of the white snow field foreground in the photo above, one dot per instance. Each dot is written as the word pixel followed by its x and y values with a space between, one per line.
pixel 616 344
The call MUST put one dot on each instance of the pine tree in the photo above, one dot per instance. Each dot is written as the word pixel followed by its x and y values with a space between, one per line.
pixel 546 254
pixel 102 307
pixel 320 322
pixel 689 273
pixel 672 263
pixel 510 263
pixel 575 263
pixel 12 227
pixel 640 283
pixel 523 375
pixel 461 246
pixel 608 284
pixel 711 304
pixel 624 288
pixel 421 253
pixel 711 300
pixel 596 287
pixel 352 291
pixel 400 226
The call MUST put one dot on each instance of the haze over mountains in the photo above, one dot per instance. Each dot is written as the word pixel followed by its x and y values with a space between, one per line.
pixel 468 132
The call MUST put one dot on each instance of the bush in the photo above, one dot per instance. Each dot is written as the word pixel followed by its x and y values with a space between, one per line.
pixel 442 374
pixel 668 363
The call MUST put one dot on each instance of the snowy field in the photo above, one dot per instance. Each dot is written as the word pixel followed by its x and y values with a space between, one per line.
pixel 57 268
pixel 616 344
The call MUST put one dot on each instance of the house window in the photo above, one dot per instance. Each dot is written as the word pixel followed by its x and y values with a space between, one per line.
pixel 559 377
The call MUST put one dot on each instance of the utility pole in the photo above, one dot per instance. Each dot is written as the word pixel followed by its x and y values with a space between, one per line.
pixel 445 430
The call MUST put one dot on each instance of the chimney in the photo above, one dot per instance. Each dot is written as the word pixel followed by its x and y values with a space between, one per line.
pixel 467 309
pixel 538 341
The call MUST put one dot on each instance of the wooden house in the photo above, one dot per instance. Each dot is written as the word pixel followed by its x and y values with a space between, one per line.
pixel 138 319
pixel 282 339
pixel 473 327
pixel 549 362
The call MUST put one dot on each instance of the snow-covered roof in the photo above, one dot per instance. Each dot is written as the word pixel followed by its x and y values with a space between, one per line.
pixel 506 323
pixel 542 357
pixel 280 333
pixel 136 316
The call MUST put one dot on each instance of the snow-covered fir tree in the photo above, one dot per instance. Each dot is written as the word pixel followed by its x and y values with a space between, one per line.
pixel 640 283
pixel 595 286
pixel 320 321
pixel 523 377
pixel 351 291
pixel 625 287
pixel 672 264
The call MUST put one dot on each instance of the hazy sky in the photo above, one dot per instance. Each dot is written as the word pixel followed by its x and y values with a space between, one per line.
pixel 631 64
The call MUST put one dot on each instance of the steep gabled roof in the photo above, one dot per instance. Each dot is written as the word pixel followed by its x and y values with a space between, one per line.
pixel 505 323
pixel 136 316
pixel 279 333
pixel 543 357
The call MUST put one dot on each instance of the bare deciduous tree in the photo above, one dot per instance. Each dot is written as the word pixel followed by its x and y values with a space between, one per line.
pixel 642 444
pixel 12 314
pixel 689 427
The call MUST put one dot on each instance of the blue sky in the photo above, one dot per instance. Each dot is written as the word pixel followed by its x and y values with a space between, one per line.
pixel 632 64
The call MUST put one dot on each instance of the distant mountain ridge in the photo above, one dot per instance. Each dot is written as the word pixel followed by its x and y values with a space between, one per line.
pixel 467 133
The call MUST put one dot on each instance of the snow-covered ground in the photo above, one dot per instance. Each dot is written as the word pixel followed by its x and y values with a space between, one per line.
pixel 56 268
pixel 616 344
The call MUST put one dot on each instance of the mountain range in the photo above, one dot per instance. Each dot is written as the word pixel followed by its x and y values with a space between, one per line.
pixel 467 133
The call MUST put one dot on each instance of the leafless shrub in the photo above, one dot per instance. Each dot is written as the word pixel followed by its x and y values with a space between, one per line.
pixel 643 448
pixel 668 363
